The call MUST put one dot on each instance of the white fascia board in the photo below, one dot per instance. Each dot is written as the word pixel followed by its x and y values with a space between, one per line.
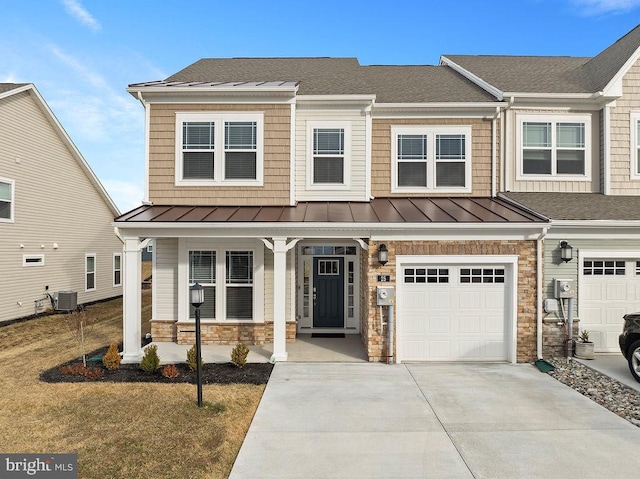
pixel 213 89
pixel 614 87
pixel 336 98
pixel 554 96
pixel 66 139
pixel 595 223
pixel 495 91
pixel 17 90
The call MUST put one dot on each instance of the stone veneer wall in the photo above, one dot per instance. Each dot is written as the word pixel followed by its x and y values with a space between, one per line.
pixel 527 286
pixel 215 333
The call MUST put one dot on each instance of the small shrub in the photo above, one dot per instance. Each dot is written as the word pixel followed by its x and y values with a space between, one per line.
pixel 170 371
pixel 94 373
pixel 150 361
pixel 112 359
pixel 239 355
pixel 81 370
pixel 192 362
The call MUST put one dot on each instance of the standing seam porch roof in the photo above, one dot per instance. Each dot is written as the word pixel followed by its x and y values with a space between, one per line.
pixel 380 210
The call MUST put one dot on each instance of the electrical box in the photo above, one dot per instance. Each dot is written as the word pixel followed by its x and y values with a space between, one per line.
pixel 564 288
pixel 386 295
pixel 551 305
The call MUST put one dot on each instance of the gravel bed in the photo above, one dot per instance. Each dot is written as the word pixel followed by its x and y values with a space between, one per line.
pixel 615 396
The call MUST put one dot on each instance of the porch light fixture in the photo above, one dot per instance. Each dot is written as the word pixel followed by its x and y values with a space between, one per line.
pixel 566 251
pixel 197 298
pixel 383 254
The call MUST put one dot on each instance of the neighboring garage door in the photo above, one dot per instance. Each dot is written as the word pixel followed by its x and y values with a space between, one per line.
pixel 453 312
pixel 608 289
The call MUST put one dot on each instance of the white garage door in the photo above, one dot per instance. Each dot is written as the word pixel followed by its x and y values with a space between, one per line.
pixel 608 289
pixel 453 313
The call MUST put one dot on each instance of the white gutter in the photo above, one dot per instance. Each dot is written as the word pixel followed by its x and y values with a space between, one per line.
pixel 505 171
pixel 368 149
pixel 493 152
pixel 539 287
pixel 606 180
pixel 448 105
pixel 147 124
pixel 596 223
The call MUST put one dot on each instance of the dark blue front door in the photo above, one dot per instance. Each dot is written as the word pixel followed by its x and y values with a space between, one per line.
pixel 328 292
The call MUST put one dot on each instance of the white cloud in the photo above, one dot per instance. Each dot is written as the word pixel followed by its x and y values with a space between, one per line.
pixel 598 7
pixel 76 10
pixel 126 195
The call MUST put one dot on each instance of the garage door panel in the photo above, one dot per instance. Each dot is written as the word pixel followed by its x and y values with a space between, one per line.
pixel 608 290
pixel 470 324
pixel 462 319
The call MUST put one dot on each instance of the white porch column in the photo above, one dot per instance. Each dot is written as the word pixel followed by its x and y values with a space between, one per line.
pixel 132 302
pixel 279 294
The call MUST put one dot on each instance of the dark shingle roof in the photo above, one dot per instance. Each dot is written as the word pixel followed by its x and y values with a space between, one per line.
pixel 341 76
pixel 580 206
pixel 5 87
pixel 545 74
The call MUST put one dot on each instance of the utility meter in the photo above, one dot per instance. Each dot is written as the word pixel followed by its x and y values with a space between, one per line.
pixel 564 288
pixel 386 295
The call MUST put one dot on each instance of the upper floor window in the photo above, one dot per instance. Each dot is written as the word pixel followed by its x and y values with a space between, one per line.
pixel 219 149
pixel 431 159
pixel 329 154
pixel 6 200
pixel 635 145
pixel 551 146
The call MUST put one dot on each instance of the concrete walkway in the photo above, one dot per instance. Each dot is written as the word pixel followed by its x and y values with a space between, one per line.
pixel 366 420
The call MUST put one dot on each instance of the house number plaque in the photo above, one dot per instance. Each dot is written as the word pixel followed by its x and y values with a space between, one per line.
pixel 384 278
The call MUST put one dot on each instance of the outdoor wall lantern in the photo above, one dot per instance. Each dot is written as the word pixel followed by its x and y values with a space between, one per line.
pixel 197 298
pixel 566 251
pixel 383 254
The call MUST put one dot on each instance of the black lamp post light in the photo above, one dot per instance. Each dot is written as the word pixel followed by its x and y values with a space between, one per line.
pixel 566 251
pixel 197 298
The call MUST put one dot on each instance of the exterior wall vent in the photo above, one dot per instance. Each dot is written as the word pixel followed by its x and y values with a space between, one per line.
pixel 66 300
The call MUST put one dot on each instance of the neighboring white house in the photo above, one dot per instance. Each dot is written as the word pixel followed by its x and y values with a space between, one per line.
pixel 55 216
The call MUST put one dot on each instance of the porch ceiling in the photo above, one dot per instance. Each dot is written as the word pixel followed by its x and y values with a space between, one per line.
pixel 377 211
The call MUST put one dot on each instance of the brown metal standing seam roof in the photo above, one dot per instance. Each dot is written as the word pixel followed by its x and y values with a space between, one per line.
pixel 379 210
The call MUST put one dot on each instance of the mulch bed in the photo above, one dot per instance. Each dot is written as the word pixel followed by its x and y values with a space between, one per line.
pixel 226 373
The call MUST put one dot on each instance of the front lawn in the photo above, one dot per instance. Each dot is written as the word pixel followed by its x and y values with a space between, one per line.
pixel 135 430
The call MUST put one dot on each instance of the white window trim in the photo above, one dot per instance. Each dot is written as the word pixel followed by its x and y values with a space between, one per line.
pixel 221 248
pixel 86 272
pixel 554 119
pixel 431 132
pixel 346 166
pixel 218 166
pixel 117 285
pixel 26 264
pixel 633 167
pixel 11 219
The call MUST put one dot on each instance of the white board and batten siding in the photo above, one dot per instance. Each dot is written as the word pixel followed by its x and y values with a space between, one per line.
pixel 456 308
pixel 58 213
pixel 355 158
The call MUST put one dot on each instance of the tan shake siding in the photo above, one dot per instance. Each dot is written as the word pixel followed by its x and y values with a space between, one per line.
pixel 357 158
pixel 381 162
pixel 165 279
pixel 621 182
pixel 551 185
pixel 527 284
pixel 162 152
pixel 55 202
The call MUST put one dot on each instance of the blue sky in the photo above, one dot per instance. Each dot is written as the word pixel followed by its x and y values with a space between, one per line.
pixel 82 54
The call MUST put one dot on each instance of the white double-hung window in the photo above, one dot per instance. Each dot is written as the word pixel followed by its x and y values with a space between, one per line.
pixel 431 159
pixel 6 200
pixel 554 146
pixel 328 154
pixel 219 149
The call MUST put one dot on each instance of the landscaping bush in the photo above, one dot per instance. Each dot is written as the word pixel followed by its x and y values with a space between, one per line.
pixel 192 362
pixel 112 359
pixel 150 361
pixel 170 371
pixel 239 355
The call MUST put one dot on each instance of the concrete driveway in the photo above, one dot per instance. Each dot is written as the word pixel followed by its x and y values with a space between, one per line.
pixel 370 420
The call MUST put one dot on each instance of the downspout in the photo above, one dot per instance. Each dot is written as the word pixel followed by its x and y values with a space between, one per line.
pixel 606 150
pixel 494 152
pixel 539 286
pixel 504 172
pixel 147 123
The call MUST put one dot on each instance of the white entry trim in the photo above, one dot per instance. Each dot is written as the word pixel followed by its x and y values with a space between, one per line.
pixel 511 263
